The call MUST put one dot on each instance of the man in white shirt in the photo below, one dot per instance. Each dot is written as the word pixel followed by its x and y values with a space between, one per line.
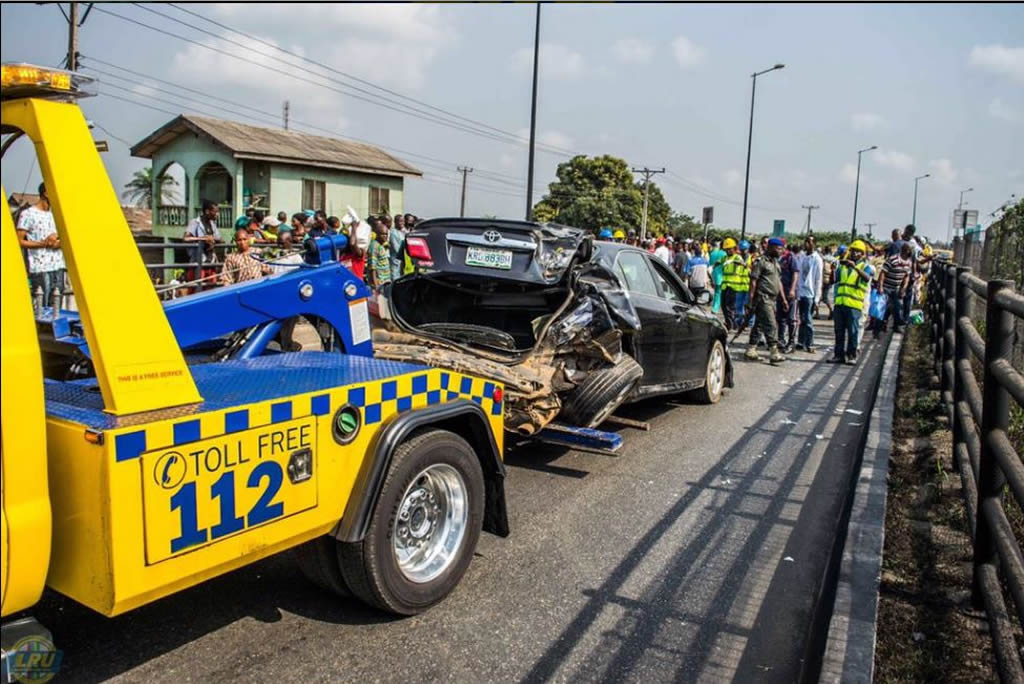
pixel 663 252
pixel 809 293
pixel 37 235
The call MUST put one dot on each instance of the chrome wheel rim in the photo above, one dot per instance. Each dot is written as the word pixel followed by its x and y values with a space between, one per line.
pixel 716 370
pixel 431 523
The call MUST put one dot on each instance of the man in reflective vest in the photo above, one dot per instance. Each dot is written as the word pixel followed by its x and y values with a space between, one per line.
pixel 735 280
pixel 853 279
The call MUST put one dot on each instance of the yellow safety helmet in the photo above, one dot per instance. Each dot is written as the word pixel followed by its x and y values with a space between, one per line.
pixel 620 234
pixel 859 246
pixel 729 243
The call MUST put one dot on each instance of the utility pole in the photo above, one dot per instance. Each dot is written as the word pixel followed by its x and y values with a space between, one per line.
pixel 285 108
pixel 809 208
pixel 869 227
pixel 462 205
pixel 647 184
pixel 533 119
pixel 72 58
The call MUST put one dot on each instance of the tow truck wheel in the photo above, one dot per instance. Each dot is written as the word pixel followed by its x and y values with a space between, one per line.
pixel 424 528
pixel 318 559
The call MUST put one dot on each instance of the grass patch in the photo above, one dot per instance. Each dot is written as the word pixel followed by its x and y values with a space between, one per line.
pixel 927 628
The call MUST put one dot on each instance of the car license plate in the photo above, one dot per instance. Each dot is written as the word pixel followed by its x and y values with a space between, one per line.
pixel 489 258
pixel 198 493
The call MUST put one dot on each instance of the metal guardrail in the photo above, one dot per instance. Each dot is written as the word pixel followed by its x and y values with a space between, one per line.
pixel 982 452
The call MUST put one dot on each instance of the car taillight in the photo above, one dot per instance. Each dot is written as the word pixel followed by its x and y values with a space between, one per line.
pixel 417 248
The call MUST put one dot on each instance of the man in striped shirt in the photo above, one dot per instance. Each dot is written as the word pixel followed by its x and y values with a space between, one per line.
pixel 894 281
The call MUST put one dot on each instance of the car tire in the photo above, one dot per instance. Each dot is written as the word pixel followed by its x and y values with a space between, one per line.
pixel 424 528
pixel 318 560
pixel 601 392
pixel 714 375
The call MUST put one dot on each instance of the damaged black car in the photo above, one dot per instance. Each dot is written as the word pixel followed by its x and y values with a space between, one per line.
pixel 573 327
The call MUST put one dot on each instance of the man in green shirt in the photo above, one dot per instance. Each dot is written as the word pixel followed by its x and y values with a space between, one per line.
pixel 765 288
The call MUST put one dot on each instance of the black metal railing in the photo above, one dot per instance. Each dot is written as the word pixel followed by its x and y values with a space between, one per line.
pixel 982 451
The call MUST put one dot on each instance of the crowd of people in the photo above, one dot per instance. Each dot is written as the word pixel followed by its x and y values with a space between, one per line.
pixel 264 244
pixel 775 288
pixel 772 287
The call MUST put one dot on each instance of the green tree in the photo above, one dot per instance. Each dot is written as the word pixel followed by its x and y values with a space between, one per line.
pixel 139 190
pixel 600 192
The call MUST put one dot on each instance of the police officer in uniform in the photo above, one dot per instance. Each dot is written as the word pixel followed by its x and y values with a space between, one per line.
pixel 735 281
pixel 765 288
pixel 853 278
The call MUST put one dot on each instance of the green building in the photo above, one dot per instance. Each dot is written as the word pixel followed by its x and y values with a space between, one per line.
pixel 239 166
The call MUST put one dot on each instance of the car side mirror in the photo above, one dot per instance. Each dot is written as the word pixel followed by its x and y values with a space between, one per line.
pixel 704 298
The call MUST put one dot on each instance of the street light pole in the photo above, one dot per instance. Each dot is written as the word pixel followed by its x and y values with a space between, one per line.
pixel 533 119
pixel 856 192
pixel 913 219
pixel 750 137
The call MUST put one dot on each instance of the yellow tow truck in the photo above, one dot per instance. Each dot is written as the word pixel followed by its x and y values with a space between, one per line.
pixel 152 475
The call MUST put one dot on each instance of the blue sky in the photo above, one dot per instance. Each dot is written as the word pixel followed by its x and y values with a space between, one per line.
pixel 939 89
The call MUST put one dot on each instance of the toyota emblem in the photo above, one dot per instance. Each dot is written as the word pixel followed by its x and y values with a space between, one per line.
pixel 492 236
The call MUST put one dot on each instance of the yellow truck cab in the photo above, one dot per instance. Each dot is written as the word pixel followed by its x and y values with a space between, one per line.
pixel 155 475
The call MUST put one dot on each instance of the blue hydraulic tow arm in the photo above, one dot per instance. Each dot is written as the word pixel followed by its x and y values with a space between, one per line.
pixel 320 288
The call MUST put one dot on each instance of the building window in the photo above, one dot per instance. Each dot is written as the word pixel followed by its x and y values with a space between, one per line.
pixel 380 200
pixel 314 194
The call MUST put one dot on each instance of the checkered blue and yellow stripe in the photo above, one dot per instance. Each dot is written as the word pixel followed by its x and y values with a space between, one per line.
pixel 377 401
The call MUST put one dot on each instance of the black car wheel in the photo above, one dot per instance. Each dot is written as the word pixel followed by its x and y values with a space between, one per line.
pixel 601 392
pixel 424 528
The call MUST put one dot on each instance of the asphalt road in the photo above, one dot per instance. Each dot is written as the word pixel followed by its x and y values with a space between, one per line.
pixel 692 555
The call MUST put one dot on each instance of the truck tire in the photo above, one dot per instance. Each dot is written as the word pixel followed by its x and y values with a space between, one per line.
pixel 714 375
pixel 601 393
pixel 318 560
pixel 424 528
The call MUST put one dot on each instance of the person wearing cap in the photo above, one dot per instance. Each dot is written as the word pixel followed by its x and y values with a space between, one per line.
pixel 735 279
pixel 742 296
pixel 765 289
pixel 853 279
pixel 271 226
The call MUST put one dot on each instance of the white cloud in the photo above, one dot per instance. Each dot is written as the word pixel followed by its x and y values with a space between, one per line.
pixel 1000 110
pixel 1007 61
pixel 633 50
pixel 549 137
pixel 942 171
pixel 848 174
pixel 557 61
pixel 732 177
pixel 894 159
pixel 687 53
pixel 507 161
pixel 390 44
pixel 866 121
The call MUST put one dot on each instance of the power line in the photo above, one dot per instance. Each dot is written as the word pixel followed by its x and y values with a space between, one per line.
pixel 410 111
pixel 384 89
pixel 242 109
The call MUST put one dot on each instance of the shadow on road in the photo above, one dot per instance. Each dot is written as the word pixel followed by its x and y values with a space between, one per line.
pixel 659 625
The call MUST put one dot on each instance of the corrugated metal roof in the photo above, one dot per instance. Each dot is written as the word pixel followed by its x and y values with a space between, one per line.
pixel 269 144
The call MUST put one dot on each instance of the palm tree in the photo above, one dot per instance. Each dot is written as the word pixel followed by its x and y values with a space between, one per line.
pixel 139 190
